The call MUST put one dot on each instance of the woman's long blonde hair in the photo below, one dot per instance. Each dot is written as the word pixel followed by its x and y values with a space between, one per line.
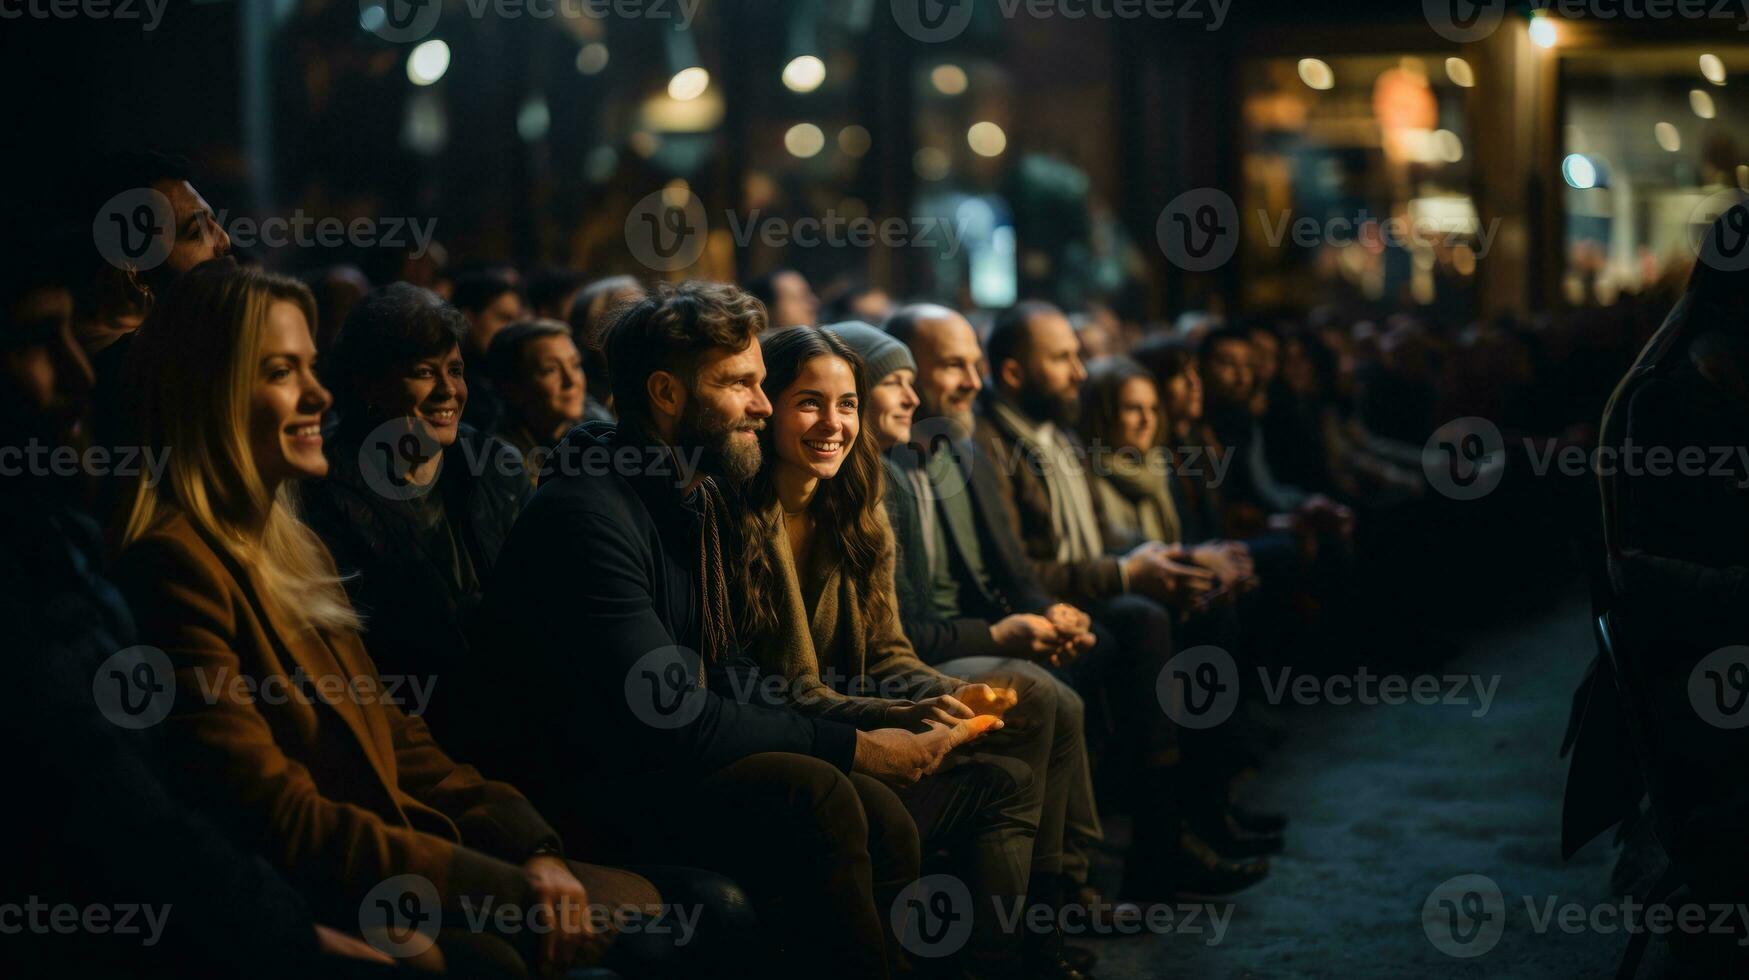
pixel 194 366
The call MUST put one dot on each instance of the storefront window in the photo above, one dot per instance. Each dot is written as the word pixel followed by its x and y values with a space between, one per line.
pixel 1652 152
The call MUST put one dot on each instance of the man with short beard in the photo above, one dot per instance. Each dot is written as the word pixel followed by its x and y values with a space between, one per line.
pixel 639 725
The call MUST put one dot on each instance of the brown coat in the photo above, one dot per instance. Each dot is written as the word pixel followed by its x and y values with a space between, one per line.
pixel 822 635
pixel 338 791
pixel 1029 510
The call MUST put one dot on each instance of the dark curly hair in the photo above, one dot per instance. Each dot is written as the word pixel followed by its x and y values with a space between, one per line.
pixel 671 330
pixel 847 509
pixel 388 329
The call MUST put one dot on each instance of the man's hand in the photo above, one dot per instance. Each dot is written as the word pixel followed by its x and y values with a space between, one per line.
pixel 896 754
pixel 572 941
pixel 1325 514
pixel 1026 635
pixel 1067 619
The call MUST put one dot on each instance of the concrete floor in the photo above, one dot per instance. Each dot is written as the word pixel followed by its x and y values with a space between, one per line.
pixel 1391 801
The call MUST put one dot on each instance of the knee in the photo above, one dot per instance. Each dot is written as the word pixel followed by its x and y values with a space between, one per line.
pixel 894 846
pixel 1071 709
pixel 703 913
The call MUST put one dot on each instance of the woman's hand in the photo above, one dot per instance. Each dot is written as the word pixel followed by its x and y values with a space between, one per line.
pixel 983 699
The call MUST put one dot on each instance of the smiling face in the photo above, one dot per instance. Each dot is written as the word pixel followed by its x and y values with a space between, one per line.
pixel 815 420
pixel 287 402
pixel 892 404
pixel 548 392
pixel 950 368
pixel 431 389
pixel 725 410
pixel 1138 414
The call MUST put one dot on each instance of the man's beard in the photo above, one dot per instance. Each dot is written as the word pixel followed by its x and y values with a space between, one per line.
pixel 723 455
pixel 1043 406
pixel 959 422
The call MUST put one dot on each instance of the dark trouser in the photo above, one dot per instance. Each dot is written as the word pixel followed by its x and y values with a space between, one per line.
pixel 982 808
pixel 811 846
pixel 1046 730
pixel 1120 678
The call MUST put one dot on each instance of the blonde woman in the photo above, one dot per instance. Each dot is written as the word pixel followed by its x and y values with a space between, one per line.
pixel 280 724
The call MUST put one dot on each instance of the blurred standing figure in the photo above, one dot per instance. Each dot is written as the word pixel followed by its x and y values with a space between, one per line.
pixel 789 300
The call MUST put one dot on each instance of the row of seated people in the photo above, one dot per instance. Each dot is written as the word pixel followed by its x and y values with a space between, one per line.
pixel 962 609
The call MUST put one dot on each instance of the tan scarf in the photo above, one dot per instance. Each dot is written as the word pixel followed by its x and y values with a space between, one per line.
pixel 1143 481
pixel 717 624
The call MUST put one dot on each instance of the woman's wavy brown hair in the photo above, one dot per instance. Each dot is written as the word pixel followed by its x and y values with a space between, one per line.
pixel 847 510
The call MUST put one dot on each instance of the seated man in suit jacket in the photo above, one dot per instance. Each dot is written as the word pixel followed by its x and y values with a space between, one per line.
pixel 1045 496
